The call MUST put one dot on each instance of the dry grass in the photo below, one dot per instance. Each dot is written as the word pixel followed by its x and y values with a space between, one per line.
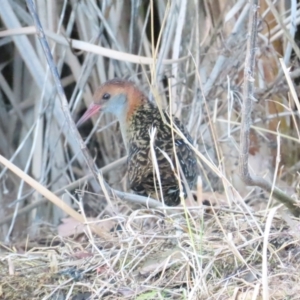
pixel 244 247
pixel 154 255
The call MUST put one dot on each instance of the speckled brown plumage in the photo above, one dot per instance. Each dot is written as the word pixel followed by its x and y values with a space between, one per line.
pixel 137 116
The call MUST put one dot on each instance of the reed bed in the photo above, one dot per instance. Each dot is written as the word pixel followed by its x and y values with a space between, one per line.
pixel 65 234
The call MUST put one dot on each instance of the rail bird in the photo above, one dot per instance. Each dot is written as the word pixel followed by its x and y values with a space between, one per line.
pixel 148 136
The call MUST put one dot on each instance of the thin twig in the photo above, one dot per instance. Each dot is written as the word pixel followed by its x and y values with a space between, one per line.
pixel 50 196
pixel 246 118
pixel 62 190
pixel 60 90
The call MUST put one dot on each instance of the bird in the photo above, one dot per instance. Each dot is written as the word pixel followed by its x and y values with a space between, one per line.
pixel 147 135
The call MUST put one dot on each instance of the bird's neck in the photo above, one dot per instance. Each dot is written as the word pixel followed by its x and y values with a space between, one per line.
pixel 140 121
pixel 130 125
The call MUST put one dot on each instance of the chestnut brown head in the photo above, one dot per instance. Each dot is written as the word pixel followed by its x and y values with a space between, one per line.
pixel 117 96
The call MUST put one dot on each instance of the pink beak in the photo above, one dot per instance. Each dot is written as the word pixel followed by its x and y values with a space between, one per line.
pixel 93 109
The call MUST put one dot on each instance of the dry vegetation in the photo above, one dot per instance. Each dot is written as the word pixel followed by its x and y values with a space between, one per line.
pixel 190 57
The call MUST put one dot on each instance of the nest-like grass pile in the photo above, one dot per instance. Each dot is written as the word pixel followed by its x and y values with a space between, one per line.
pixel 210 253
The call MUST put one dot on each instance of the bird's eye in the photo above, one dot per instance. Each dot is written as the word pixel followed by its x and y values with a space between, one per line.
pixel 106 96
